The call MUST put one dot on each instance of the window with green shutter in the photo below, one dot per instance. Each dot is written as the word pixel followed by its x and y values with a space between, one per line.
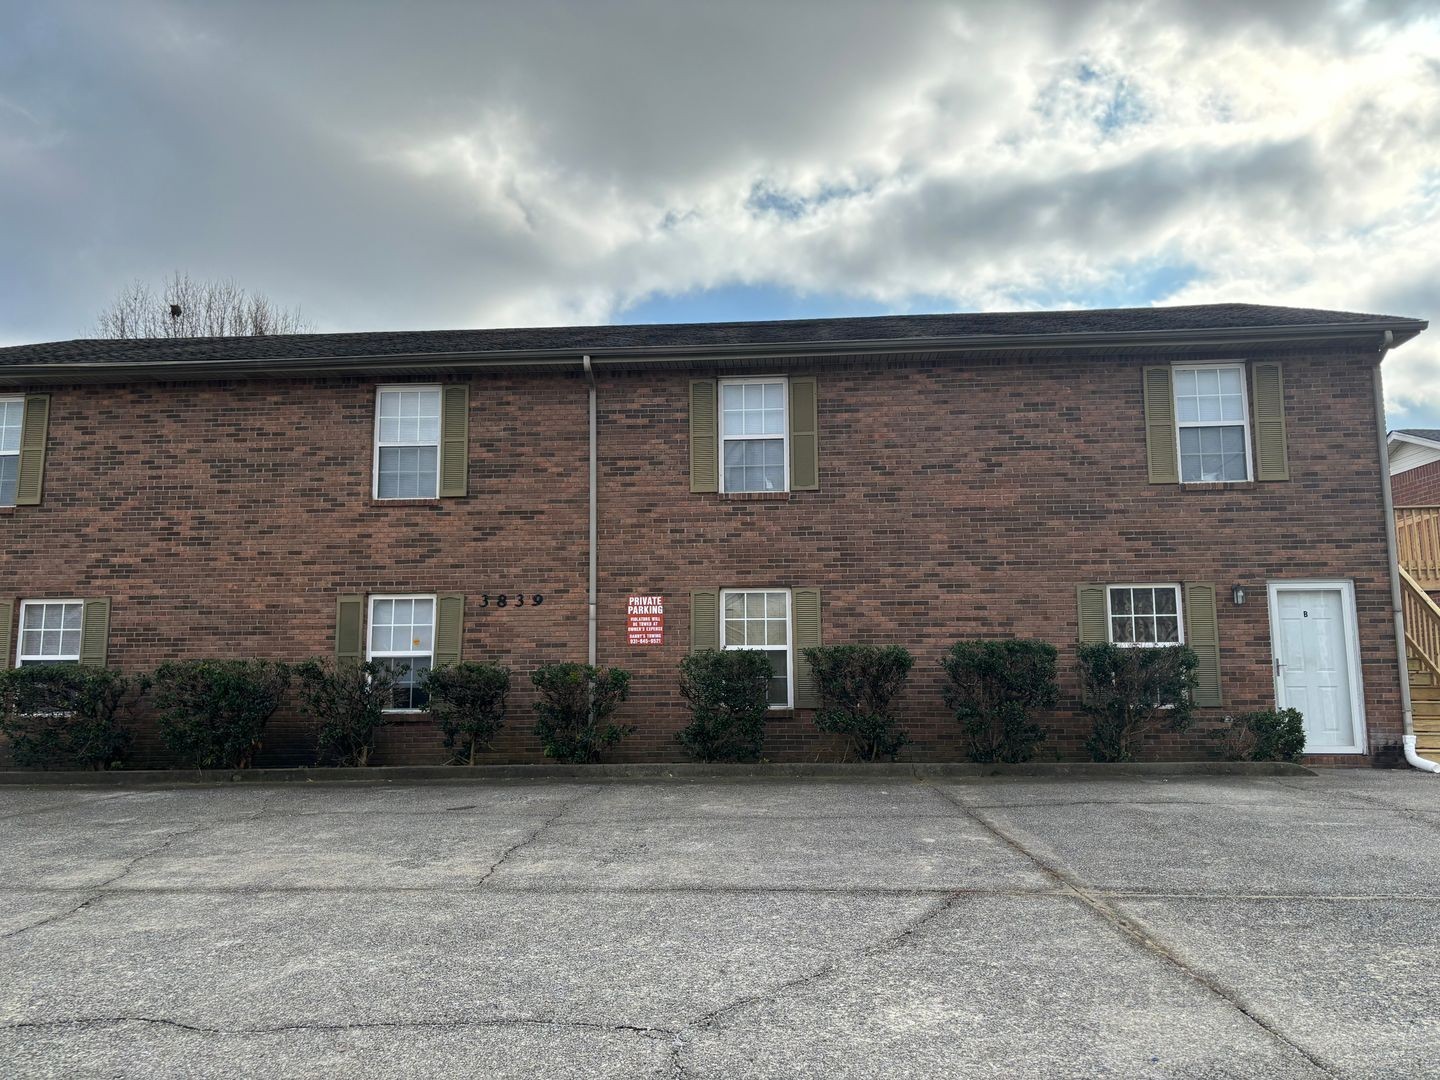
pixel 7 624
pixel 754 434
pixel 1160 426
pixel 704 436
pixel 454 440
pixel 449 628
pixel 34 431
pixel 349 630
pixel 95 633
pixel 1156 616
pixel 1272 456
pixel 1202 631
pixel 704 619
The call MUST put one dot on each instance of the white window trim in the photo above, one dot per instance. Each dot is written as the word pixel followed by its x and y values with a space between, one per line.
pixel 13 399
pixel 1179 614
pixel 21 658
pixel 1244 408
pixel 370 654
pixel 784 436
pixel 376 444
pixel 789 638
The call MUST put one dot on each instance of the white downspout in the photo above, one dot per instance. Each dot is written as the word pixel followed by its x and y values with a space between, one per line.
pixel 591 617
pixel 1396 595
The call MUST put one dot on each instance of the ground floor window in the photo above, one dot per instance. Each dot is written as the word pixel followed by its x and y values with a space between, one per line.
pixel 760 620
pixel 402 639
pixel 1145 615
pixel 50 631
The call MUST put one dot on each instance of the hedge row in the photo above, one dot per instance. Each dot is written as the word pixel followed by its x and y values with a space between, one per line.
pixel 213 713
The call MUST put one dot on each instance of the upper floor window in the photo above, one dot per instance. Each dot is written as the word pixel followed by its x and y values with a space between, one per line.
pixel 1212 420
pixel 12 417
pixel 753 451
pixel 402 638
pixel 760 620
pixel 50 631
pixel 1143 614
pixel 407 442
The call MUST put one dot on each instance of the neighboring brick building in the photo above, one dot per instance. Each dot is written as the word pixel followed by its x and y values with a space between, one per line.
pixel 915 480
pixel 1415 467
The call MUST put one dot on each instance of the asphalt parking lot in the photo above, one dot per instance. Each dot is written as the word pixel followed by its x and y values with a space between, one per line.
pixel 1196 927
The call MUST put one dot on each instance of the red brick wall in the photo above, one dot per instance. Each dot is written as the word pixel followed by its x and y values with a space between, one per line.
pixel 1417 487
pixel 958 500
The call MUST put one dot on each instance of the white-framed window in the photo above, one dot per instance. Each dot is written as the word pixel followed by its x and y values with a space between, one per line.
pixel 1212 423
pixel 759 619
pixel 12 417
pixel 407 442
pixel 401 636
pixel 1144 615
pixel 754 439
pixel 50 632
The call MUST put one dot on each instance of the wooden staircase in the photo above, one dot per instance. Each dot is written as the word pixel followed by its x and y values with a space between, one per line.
pixel 1422 654
pixel 1425 699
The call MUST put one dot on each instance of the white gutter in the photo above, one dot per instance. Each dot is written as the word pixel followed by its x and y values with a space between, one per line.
pixel 1396 601
pixel 592 614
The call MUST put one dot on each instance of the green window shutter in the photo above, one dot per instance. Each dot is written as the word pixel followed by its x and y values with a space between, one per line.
pixel 704 436
pixel 1091 600
pixel 33 430
pixel 350 630
pixel 804 435
pixel 1271 455
pixel 95 632
pixel 704 619
pixel 7 624
pixel 454 440
pixel 805 604
pixel 449 628
pixel 1161 454
pixel 1202 633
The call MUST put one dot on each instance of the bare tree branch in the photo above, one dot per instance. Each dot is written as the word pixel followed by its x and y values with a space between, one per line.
pixel 206 309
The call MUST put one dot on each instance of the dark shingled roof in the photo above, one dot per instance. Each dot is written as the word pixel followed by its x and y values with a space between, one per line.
pixel 1433 434
pixel 662 336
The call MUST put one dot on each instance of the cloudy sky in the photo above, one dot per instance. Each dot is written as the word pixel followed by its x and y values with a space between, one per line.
pixel 390 166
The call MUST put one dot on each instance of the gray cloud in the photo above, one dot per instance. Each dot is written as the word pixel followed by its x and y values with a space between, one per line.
pixel 454 164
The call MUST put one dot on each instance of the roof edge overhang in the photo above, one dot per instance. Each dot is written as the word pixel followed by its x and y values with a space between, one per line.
pixel 1355 336
pixel 1416 440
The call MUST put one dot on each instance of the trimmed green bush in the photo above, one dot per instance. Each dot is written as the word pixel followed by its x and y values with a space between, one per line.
pixel 213 712
pixel 1264 735
pixel 728 692
pixel 348 703
pixel 574 710
pixel 855 685
pixel 467 700
pixel 1130 693
pixel 67 715
pixel 996 688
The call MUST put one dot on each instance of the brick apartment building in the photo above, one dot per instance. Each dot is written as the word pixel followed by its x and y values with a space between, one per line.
pixel 1206 474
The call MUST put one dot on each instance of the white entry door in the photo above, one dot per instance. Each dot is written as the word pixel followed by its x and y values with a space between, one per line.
pixel 1317 669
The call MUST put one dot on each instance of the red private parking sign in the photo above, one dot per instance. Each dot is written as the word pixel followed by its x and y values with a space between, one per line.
pixel 645 620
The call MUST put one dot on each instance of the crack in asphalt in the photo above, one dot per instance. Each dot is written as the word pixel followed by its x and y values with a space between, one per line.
pixel 887 944
pixel 61 806
pixel 559 812
pixel 280 1029
pixel 185 834
pixel 1142 934
pixel 59 916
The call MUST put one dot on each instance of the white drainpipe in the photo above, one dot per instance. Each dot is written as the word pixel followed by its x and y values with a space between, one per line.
pixel 1396 601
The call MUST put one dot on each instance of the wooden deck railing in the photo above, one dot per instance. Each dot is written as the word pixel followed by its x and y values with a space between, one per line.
pixel 1422 623
pixel 1417 544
